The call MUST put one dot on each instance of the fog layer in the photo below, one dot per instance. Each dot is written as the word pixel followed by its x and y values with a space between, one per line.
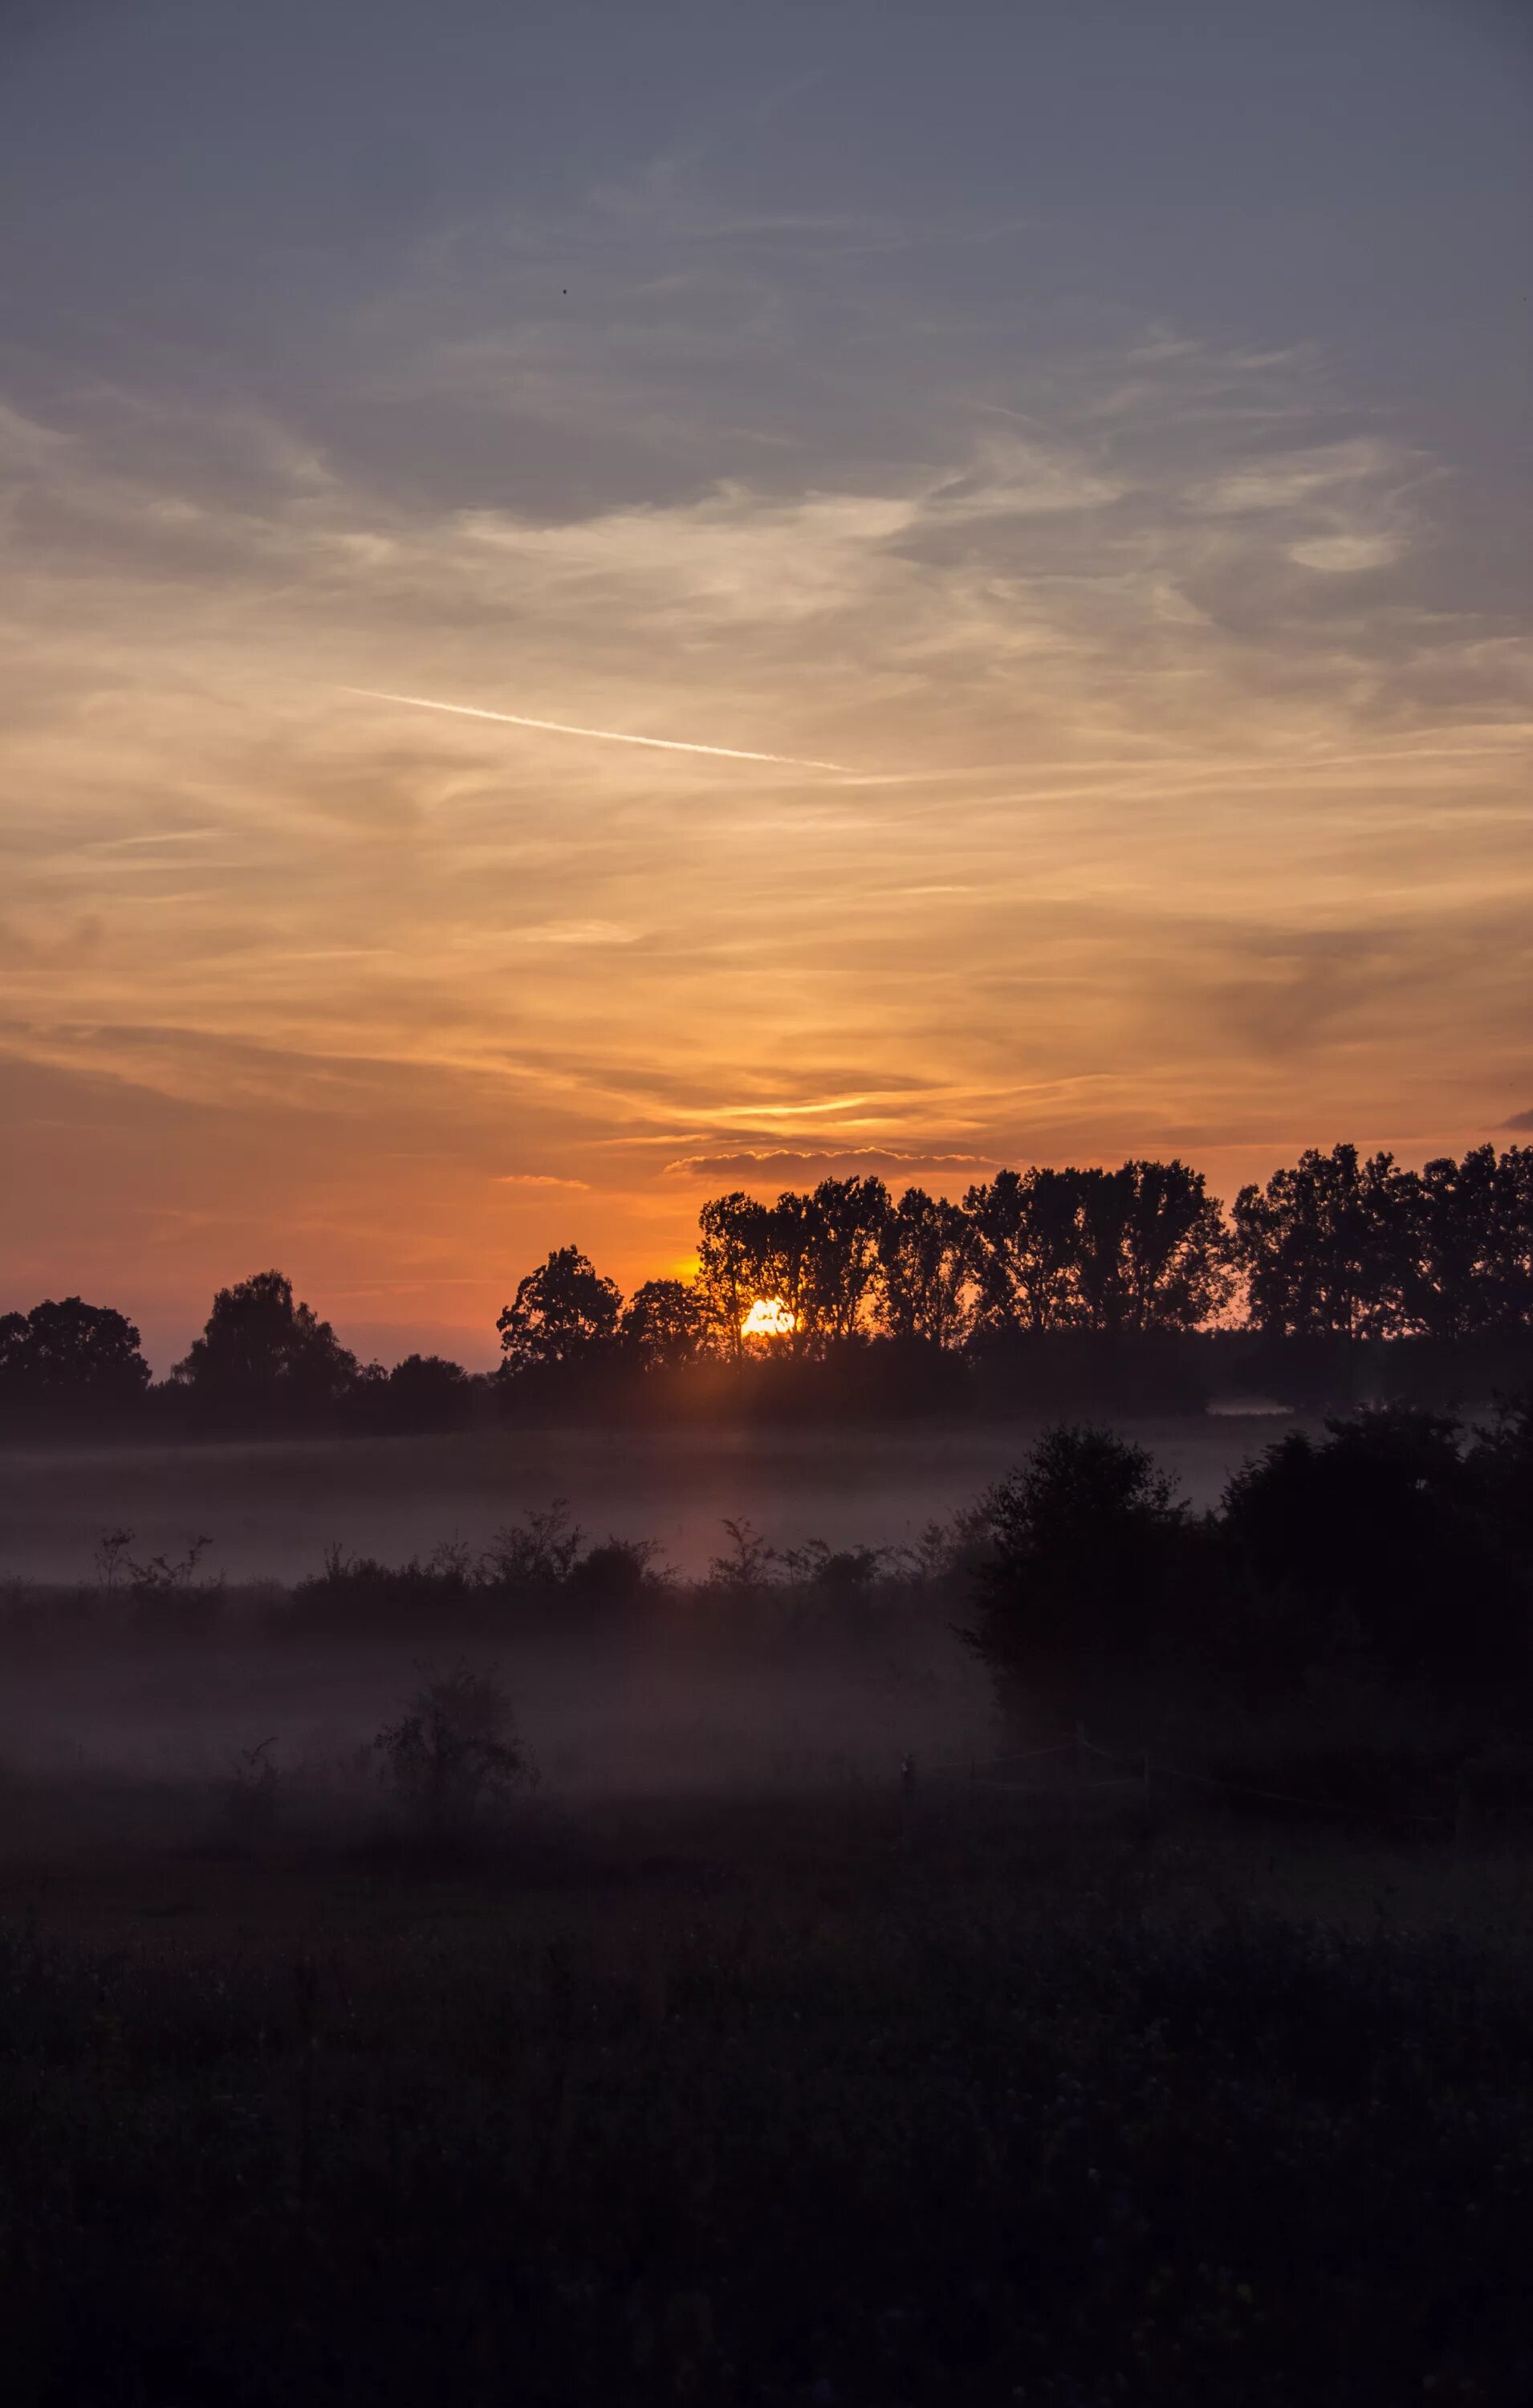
pixel 271 1509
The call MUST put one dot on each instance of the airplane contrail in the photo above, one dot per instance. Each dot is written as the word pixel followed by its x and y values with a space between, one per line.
pixel 604 735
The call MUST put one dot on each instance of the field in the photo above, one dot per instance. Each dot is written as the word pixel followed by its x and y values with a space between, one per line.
pixel 849 2096
pixel 782 2043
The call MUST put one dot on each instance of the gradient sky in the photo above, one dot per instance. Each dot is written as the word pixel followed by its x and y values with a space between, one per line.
pixel 1099 429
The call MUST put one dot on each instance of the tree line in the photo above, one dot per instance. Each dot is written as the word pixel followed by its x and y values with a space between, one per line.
pixel 846 1291
pixel 1336 1246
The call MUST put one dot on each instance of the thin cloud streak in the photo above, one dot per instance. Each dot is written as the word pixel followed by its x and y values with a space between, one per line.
pixel 603 735
pixel 1216 849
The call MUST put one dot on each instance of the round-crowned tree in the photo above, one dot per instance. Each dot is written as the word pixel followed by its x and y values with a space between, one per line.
pixel 261 1358
pixel 66 1357
pixel 564 1312
pixel 664 1324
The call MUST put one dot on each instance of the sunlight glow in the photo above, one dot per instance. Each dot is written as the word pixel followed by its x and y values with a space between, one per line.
pixel 769 1318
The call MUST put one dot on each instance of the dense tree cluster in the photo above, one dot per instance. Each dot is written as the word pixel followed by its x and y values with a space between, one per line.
pixel 1395 1545
pixel 1123 1252
pixel 79 1357
pixel 848 1296
pixel 1334 1247
pixel 261 1358
pixel 1338 1247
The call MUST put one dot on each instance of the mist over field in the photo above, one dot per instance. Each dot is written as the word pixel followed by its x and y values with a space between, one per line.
pixel 271 1509
pixel 661 1712
pixel 665 1705
pixel 938 1866
pixel 699 1700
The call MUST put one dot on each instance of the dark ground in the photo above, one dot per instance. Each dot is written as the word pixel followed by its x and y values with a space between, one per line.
pixel 835 2097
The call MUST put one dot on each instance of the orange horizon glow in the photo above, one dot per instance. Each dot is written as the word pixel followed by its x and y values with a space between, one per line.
pixel 1188 813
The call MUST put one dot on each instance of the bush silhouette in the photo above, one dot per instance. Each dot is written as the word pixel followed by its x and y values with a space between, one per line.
pixel 454 1759
pixel 1373 1537
pixel 1089 1548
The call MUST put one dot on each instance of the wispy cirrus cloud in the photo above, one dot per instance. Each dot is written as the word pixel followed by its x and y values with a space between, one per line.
pixel 593 735
pixel 785 1163
pixel 1253 857
pixel 537 1179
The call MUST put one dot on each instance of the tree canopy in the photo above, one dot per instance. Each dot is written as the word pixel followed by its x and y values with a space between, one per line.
pixel 1121 1272
pixel 261 1353
pixel 68 1354
pixel 560 1313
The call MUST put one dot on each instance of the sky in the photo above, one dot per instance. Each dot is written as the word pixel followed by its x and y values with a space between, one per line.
pixel 1084 447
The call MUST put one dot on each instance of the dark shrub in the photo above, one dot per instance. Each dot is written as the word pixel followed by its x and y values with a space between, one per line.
pixel 1371 1541
pixel 1093 1559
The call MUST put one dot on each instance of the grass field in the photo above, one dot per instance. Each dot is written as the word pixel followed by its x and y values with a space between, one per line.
pixel 775 2049
pixel 838 2097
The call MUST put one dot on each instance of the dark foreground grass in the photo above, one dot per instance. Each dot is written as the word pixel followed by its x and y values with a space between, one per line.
pixel 961 2117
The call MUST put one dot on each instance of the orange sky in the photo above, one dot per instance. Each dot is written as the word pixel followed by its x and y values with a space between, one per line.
pixel 398 999
pixel 1183 803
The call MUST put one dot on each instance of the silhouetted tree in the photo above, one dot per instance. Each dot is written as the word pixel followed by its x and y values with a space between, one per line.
pixel 925 1248
pixel 1469 1263
pixel 1514 1258
pixel 664 1324
pixel 1153 1249
pixel 424 1392
pixel 735 1264
pixel 564 1312
pixel 1371 1538
pixel 791 1232
pixel 846 1218
pixel 815 1253
pixel 1127 1251
pixel 263 1357
pixel 66 1356
pixel 1090 1555
pixel 1026 1250
pixel 1326 1246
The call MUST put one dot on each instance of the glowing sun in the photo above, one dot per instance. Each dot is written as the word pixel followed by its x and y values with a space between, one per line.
pixel 769 1318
